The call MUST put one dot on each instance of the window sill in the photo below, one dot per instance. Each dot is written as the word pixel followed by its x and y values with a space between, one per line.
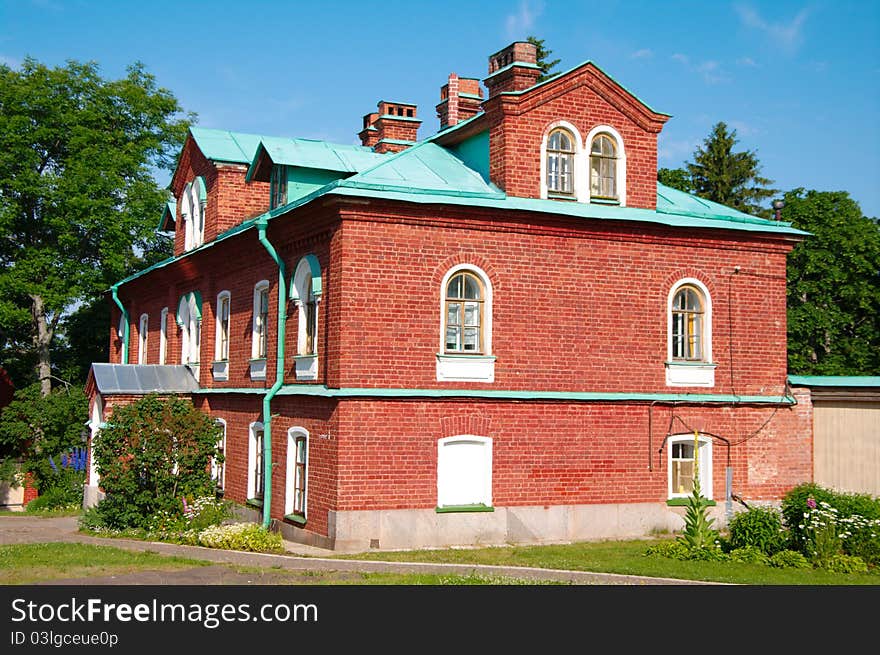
pixel 684 502
pixel 560 196
pixel 604 201
pixel 295 518
pixel 306 367
pixel 220 369
pixel 255 502
pixel 476 507
pixel 465 368
pixel 690 374
pixel 258 369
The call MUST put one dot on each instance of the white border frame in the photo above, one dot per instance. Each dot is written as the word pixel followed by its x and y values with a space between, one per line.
pixel 462 367
pixel 705 464
pixel 581 190
pixel 163 335
pixel 290 470
pixel 621 162
pixel 252 454
pixel 443 464
pixel 143 337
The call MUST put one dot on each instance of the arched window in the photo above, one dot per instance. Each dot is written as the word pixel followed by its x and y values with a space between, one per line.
pixel 189 318
pixel 218 467
pixel 464 472
pixel 603 168
pixel 689 342
pixel 163 335
pixel 256 474
pixel 305 292
pixel 687 324
pixel 466 326
pixel 143 332
pixel 222 333
pixel 688 458
pixel 465 298
pixel 192 206
pixel 296 492
pixel 560 162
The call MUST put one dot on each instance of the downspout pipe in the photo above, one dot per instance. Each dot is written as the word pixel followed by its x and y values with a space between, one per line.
pixel 279 374
pixel 124 311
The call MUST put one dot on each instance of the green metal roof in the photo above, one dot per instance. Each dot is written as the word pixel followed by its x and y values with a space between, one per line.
pixel 835 380
pixel 169 216
pixel 310 153
pixel 223 145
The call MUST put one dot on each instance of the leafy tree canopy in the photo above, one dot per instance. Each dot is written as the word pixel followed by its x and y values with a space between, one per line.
pixel 833 286
pixel 727 177
pixel 544 63
pixel 677 178
pixel 78 202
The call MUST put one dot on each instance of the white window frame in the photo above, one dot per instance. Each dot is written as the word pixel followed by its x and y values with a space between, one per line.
pixel 462 367
pixel 620 170
pixel 690 373
pixel 704 464
pixel 192 209
pixel 95 423
pixel 253 428
pixel 190 333
pixel 306 363
pixel 290 473
pixel 257 363
pixel 220 365
pixel 218 469
pixel 581 192
pixel 143 335
pixel 449 479
pixel 163 335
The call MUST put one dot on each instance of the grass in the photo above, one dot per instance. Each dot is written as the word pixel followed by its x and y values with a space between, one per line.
pixel 48 513
pixel 30 563
pixel 627 558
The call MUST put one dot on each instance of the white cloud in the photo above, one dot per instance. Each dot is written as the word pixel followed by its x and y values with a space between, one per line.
pixel 710 70
pixel 788 34
pixel 748 62
pixel 743 129
pixel 674 151
pixel 644 53
pixel 519 24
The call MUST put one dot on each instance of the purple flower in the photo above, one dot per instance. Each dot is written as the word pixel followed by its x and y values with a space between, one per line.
pixel 52 464
pixel 811 503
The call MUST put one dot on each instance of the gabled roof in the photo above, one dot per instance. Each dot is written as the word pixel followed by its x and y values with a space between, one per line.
pixel 169 217
pixel 309 153
pixel 226 146
pixel 140 379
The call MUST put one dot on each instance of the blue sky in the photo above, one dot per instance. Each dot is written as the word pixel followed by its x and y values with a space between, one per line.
pixel 799 81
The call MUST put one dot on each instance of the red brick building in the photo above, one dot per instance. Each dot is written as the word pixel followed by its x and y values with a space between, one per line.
pixel 507 331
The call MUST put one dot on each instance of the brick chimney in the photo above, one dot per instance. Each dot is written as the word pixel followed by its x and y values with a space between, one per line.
pixel 392 129
pixel 460 98
pixel 514 68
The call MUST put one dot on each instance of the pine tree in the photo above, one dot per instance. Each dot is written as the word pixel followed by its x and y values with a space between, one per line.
pixel 542 55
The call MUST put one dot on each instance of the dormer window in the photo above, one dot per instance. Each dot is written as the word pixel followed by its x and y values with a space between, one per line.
pixel 278 187
pixel 560 162
pixel 603 168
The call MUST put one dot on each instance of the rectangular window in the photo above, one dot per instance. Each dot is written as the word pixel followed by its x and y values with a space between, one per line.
pixel 163 335
pixel 143 331
pixel 223 329
pixel 682 468
pixel 299 477
pixel 262 324
pixel 258 463
pixel 311 315
pixel 218 468
pixel 278 187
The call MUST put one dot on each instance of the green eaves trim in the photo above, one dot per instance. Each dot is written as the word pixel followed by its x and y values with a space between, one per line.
pixel 503 394
pixel 400 142
pixel 835 380
pixel 449 509
pixel 408 119
pixel 516 64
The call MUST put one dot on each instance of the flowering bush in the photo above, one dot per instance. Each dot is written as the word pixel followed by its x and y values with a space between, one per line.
pixel 242 536
pixel 61 486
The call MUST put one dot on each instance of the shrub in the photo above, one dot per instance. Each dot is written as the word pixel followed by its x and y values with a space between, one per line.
pixel 152 453
pixel 670 549
pixel 789 559
pixel 757 527
pixel 794 508
pixel 845 564
pixel 749 555
pixel 242 536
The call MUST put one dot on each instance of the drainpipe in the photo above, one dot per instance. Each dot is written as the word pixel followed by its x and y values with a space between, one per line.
pixel 279 375
pixel 114 289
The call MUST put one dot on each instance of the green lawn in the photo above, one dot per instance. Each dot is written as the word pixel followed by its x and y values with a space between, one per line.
pixel 624 557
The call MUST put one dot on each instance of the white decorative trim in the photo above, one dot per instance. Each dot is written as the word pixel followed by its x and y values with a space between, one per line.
pixel 470 465
pixel 581 181
pixel 218 356
pixel 620 172
pixel 465 368
pixel 258 369
pixel 258 287
pixel 690 374
pixel 220 369
pixel 252 457
pixel 704 463
pixel 306 367
pixel 473 368
pixel 163 335
pixel 190 331
pixel 302 278
pixel 290 471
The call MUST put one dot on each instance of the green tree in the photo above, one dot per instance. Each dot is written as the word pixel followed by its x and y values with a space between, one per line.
pixel 727 177
pixel 78 201
pixel 833 286
pixel 152 453
pixel 543 55
pixel 34 427
pixel 677 178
